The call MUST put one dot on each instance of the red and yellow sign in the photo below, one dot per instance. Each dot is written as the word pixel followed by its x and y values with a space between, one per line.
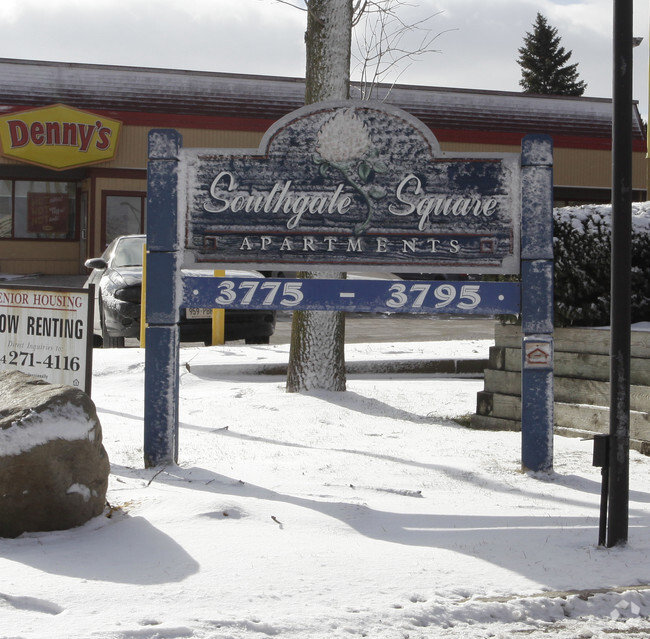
pixel 58 137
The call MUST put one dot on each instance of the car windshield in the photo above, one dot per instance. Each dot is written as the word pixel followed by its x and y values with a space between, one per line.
pixel 128 252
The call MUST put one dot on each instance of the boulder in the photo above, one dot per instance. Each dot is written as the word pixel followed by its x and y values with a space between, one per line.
pixel 53 467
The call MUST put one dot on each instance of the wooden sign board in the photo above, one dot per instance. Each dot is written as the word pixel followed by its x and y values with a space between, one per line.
pixel 352 185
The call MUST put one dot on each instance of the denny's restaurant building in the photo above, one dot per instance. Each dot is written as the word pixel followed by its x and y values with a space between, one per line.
pixel 73 144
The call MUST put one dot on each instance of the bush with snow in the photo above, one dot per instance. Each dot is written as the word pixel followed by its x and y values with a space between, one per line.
pixel 582 244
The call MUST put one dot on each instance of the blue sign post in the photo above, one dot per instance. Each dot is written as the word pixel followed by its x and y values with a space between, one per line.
pixel 162 301
pixel 347 186
pixel 537 304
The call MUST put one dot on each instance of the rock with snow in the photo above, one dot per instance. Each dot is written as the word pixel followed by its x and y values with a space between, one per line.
pixel 53 466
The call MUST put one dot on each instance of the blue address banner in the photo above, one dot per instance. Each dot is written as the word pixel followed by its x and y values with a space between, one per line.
pixel 393 296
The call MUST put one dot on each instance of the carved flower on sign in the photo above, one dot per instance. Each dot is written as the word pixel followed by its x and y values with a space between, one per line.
pixel 344 145
pixel 343 138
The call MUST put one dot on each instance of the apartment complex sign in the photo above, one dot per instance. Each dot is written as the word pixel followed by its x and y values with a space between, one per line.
pixel 58 137
pixel 354 185
pixel 349 185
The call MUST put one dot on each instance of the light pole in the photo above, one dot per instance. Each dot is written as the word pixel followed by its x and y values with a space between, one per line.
pixel 619 412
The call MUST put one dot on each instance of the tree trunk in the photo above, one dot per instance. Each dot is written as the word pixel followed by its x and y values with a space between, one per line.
pixel 316 358
pixel 328 40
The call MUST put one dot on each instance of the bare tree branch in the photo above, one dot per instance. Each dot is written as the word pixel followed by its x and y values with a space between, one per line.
pixel 381 36
pixel 291 4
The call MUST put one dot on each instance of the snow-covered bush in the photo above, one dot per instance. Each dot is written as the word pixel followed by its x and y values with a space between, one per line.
pixel 582 244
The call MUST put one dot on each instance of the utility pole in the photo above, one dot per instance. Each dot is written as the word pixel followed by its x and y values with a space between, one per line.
pixel 619 412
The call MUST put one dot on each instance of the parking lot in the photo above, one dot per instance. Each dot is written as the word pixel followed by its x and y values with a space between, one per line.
pixel 401 327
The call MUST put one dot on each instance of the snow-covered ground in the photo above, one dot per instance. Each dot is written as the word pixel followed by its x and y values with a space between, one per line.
pixel 369 513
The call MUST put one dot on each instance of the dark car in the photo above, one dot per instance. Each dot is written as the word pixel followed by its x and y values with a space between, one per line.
pixel 117 276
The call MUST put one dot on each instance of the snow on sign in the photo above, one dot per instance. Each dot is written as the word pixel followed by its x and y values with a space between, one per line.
pixel 353 185
pixel 353 295
pixel 47 333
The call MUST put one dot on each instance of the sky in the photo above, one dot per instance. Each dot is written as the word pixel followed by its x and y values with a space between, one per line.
pixel 476 41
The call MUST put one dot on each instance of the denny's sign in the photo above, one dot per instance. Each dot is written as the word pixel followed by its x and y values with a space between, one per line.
pixel 58 137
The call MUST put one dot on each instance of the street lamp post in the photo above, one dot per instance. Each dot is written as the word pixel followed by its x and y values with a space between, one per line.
pixel 619 420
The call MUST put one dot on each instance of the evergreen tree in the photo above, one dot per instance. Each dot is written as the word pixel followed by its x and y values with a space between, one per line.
pixel 543 63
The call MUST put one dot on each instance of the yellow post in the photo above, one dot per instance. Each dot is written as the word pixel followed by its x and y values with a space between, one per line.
pixel 218 320
pixel 143 309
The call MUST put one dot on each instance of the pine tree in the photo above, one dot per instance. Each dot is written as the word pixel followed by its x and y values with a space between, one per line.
pixel 543 63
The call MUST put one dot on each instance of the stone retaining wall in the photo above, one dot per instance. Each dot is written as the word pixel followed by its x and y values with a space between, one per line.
pixel 581 380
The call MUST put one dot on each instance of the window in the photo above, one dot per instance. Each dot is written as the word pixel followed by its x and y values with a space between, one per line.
pixel 124 214
pixel 5 208
pixel 38 209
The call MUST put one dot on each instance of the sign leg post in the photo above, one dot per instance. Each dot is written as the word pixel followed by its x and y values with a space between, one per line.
pixel 161 396
pixel 537 304
pixel 162 301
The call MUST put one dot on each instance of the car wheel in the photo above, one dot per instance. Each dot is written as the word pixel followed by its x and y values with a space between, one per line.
pixel 258 340
pixel 107 340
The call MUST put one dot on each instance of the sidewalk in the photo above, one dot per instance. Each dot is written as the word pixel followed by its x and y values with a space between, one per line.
pixel 451 358
pixel 38 279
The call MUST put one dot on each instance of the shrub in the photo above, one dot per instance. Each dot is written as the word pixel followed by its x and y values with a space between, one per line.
pixel 582 246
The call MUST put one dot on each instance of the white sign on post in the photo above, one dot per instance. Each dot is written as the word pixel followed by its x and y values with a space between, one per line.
pixel 47 333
